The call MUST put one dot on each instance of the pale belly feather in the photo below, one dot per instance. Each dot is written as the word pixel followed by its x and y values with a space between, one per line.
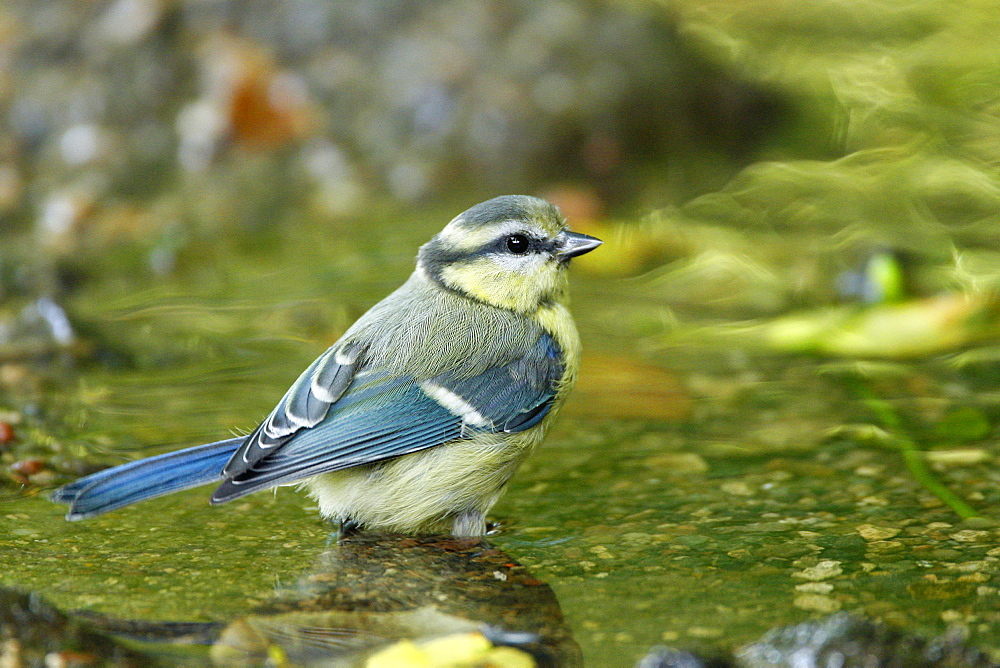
pixel 437 484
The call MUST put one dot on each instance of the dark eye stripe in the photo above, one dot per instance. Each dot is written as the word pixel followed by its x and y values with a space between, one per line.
pixel 501 245
pixel 434 255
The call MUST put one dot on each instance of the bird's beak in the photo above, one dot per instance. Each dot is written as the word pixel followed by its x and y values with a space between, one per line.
pixel 574 243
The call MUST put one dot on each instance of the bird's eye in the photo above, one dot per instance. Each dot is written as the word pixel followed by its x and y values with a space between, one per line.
pixel 517 244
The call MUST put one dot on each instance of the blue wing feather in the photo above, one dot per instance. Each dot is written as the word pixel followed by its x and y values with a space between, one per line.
pixel 304 405
pixel 380 417
pixel 146 478
pixel 396 421
pixel 517 395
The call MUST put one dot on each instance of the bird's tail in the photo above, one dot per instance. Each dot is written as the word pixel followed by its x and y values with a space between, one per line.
pixel 146 478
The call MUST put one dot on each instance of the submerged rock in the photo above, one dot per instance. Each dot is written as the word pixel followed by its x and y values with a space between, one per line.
pixel 849 641
pixel 838 641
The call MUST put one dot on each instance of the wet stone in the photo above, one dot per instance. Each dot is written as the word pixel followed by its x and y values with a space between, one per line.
pixel 871 532
pixel 885 546
pixel 692 540
pixel 971 536
pixel 821 571
pixel 768 527
pixel 817 603
pixel 787 550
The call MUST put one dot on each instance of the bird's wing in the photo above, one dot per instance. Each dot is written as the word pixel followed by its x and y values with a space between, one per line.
pixel 366 415
pixel 304 405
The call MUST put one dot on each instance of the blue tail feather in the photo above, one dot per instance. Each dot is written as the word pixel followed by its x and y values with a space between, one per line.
pixel 146 478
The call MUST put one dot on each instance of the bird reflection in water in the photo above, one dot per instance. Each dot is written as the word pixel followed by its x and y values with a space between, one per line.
pixel 376 592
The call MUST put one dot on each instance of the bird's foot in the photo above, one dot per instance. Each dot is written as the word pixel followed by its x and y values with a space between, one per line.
pixel 348 527
pixel 343 528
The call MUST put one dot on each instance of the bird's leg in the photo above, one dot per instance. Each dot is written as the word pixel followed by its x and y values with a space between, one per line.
pixel 469 523
pixel 348 527
pixel 343 528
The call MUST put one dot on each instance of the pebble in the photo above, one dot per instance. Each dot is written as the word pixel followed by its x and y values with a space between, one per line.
pixel 816 603
pixel 736 488
pixel 970 536
pixel 885 546
pixel 871 532
pixel 814 587
pixel 823 570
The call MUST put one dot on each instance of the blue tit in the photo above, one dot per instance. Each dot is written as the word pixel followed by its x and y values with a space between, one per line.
pixel 425 407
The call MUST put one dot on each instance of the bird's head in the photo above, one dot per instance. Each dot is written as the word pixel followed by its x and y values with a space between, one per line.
pixel 510 252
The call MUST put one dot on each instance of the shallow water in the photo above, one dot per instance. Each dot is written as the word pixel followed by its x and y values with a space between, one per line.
pixel 697 490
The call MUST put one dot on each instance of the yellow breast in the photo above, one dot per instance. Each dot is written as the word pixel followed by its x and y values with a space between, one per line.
pixel 557 321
